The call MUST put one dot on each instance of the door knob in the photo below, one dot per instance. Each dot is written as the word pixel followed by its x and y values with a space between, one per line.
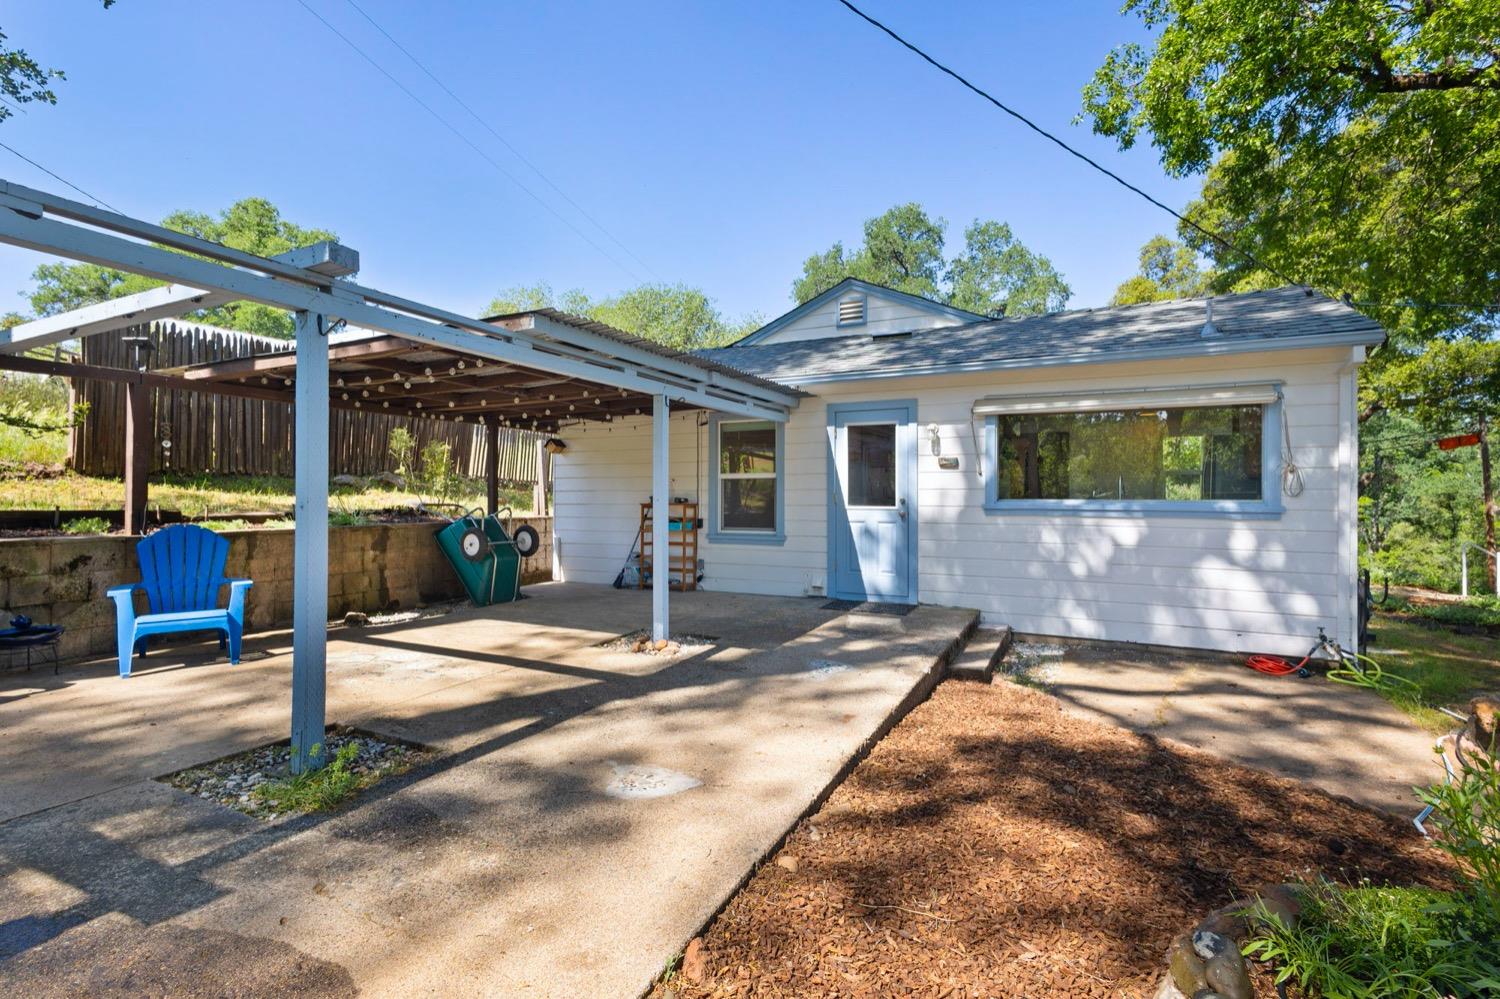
pixel 901 507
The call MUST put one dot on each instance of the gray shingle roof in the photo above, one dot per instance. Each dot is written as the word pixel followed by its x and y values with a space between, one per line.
pixel 1260 320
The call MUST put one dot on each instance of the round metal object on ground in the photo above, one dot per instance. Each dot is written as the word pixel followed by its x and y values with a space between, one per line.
pixel 474 545
pixel 527 540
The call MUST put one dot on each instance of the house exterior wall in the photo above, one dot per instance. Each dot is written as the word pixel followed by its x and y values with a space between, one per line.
pixel 883 315
pixel 1196 581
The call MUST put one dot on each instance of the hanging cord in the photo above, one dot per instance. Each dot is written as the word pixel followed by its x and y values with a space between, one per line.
pixel 1291 475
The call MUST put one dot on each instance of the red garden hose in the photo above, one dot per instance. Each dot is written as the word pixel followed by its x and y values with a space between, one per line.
pixel 1275 665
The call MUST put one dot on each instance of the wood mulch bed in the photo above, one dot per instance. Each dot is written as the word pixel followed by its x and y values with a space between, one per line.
pixel 992 845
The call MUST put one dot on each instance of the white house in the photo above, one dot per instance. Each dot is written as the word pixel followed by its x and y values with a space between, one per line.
pixel 1178 473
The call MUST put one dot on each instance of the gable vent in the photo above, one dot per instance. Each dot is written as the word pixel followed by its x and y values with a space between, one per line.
pixel 852 311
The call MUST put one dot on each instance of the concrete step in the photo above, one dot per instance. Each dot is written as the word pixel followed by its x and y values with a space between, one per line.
pixel 977 660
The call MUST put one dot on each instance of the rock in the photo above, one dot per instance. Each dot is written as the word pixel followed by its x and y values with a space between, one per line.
pixel 640 643
pixel 1226 921
pixel 1485 720
pixel 667 993
pixel 661 643
pixel 1227 975
pixel 1209 945
pixel 356 619
pixel 788 862
pixel 1166 989
pixel 344 480
pixel 1281 902
pixel 694 961
pixel 1188 971
pixel 1206 994
pixel 814 833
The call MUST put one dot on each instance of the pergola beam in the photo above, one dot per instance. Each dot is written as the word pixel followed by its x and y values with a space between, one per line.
pixel 130 310
pixel 574 353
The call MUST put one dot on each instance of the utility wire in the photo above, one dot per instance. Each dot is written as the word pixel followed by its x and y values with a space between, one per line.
pixel 1039 130
pixel 1216 237
pixel 469 142
pixel 500 138
pixel 97 200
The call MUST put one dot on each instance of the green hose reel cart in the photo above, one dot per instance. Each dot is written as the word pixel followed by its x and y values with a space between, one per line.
pixel 486 556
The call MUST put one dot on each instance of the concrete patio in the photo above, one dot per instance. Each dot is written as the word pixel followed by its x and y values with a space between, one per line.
pixel 504 867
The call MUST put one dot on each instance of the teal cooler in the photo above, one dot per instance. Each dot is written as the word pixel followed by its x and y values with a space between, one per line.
pixel 490 568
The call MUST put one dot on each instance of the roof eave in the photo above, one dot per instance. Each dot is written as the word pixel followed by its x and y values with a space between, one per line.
pixel 1206 349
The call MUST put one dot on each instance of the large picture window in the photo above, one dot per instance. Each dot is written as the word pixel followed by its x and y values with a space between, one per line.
pixel 747 480
pixel 1147 456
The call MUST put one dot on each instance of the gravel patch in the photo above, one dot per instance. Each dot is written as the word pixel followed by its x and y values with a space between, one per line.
pixel 232 781
pixel 994 845
pixel 639 642
pixel 1032 664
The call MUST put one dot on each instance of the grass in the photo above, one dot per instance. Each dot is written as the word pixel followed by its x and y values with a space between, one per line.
pixel 315 790
pixel 48 448
pixel 219 495
pixel 1448 668
pixel 1476 612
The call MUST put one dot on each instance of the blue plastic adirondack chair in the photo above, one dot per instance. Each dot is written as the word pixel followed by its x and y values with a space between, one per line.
pixel 182 569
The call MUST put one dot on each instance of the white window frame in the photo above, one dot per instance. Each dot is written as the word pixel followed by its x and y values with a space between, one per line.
pixel 776 534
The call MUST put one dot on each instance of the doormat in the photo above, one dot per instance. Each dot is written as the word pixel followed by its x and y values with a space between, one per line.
pixel 869 607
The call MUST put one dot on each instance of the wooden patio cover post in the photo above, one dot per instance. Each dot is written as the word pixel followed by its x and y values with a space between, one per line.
pixel 310 546
pixel 138 436
pixel 492 466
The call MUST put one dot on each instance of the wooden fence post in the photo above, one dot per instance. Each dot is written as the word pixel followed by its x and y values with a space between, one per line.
pixel 138 438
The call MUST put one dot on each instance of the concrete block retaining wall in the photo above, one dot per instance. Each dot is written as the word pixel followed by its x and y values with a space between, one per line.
pixel 61 580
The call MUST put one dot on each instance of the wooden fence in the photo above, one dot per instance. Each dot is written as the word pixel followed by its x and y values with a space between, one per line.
pixel 199 432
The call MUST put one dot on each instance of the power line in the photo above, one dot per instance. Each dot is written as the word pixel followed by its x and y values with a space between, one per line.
pixel 469 142
pixel 1216 237
pixel 1222 241
pixel 500 138
pixel 97 200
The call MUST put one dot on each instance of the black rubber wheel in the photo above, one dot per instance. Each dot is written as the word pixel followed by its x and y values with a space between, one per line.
pixel 473 545
pixel 528 541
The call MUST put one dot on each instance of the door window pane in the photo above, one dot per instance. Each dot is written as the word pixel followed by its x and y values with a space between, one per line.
pixel 872 464
pixel 749 504
pixel 1198 453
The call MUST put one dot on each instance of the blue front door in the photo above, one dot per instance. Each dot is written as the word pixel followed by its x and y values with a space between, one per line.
pixel 873 524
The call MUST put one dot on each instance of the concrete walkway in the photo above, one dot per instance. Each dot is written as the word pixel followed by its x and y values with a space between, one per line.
pixel 503 868
pixel 1339 738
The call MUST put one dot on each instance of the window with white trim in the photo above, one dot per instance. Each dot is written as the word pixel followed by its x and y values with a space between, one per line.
pixel 747 470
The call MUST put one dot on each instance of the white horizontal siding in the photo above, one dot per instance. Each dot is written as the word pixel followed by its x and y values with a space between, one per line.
pixel 1172 580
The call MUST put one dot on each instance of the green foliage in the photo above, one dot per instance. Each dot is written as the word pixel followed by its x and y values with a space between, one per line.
pixel 23 80
pixel 314 790
pixel 672 315
pixel 1355 146
pixel 435 477
pixel 1169 269
pixel 1370 942
pixel 1475 612
pixel 250 224
pixel 87 525
pixel 995 273
pixel 402 447
pixel 1466 814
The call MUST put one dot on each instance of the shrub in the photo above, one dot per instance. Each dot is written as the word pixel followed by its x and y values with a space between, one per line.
pixel 1479 612
pixel 1367 942
pixel 87 525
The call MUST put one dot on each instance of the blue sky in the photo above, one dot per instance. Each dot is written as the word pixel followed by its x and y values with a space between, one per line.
pixel 722 143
